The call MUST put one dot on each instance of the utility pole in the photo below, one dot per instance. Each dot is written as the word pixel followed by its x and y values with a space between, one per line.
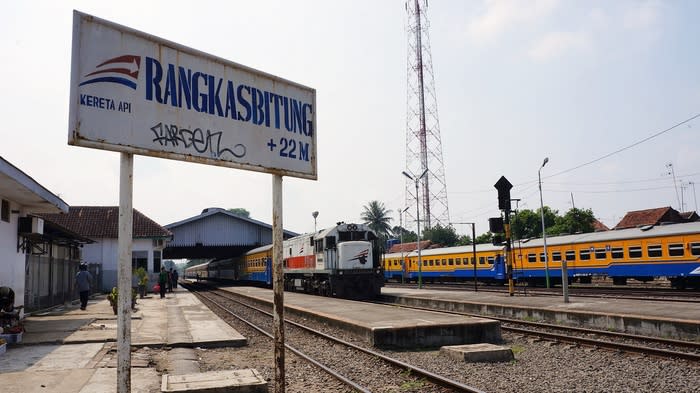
pixel 692 183
pixel 473 247
pixel 673 174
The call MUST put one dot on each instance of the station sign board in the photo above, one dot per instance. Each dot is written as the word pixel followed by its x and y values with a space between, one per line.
pixel 135 93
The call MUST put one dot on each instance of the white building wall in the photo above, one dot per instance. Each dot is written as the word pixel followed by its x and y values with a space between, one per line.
pixel 105 252
pixel 12 263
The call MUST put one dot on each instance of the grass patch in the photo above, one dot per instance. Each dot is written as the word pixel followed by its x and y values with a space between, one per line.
pixel 517 350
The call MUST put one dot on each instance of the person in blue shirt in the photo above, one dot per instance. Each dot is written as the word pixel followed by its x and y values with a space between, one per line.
pixel 82 282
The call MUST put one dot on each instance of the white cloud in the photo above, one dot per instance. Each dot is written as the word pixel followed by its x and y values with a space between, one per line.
pixel 643 15
pixel 558 43
pixel 502 15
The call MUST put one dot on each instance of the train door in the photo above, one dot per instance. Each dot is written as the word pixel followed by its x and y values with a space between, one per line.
pixel 404 270
pixel 268 270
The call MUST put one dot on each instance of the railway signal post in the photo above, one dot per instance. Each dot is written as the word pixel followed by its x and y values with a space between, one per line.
pixel 503 186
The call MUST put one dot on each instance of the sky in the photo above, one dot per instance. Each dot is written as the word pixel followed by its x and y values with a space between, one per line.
pixel 515 82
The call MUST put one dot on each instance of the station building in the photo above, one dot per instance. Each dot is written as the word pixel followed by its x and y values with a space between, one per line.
pixel 101 225
pixel 38 260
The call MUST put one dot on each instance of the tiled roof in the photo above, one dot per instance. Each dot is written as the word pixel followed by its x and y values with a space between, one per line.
pixel 103 222
pixel 638 218
pixel 690 216
pixel 408 247
pixel 599 226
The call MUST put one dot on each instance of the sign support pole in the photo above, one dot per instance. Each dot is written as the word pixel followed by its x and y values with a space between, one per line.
pixel 126 217
pixel 278 282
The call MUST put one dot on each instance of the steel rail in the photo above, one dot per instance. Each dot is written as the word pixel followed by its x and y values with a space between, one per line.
pixel 632 348
pixel 435 378
pixel 297 352
pixel 607 344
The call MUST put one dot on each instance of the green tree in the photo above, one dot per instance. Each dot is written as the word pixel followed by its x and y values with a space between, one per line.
pixel 528 224
pixel 484 238
pixel 404 234
pixel 464 240
pixel 239 211
pixel 574 221
pixel 376 215
pixel 444 235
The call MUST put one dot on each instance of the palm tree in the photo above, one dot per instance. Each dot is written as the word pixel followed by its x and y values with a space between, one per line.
pixel 376 216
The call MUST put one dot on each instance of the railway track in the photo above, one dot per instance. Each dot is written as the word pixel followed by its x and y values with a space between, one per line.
pixel 650 294
pixel 348 363
pixel 623 342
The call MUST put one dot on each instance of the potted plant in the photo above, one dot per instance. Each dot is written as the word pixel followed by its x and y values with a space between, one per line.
pixel 142 275
pixel 113 298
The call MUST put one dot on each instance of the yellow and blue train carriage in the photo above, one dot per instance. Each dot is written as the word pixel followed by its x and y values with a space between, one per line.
pixel 448 264
pixel 643 254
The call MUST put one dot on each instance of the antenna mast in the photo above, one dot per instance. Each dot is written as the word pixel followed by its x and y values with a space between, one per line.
pixel 423 142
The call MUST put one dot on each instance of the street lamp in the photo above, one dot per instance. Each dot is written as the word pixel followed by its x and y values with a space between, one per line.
pixel 544 234
pixel 403 263
pixel 314 214
pixel 420 263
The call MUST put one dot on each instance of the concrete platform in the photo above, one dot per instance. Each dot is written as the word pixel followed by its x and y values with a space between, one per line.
pixel 673 320
pixel 478 353
pixel 234 381
pixel 384 326
pixel 69 350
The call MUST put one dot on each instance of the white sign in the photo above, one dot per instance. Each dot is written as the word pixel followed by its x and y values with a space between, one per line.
pixel 135 93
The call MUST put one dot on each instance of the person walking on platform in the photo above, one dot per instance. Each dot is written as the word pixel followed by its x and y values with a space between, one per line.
pixel 162 281
pixel 175 278
pixel 82 282
pixel 170 280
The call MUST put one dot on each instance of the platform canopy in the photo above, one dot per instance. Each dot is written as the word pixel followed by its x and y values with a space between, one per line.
pixel 217 233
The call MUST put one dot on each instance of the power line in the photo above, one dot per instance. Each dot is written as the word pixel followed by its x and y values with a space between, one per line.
pixel 657 179
pixel 626 147
pixel 613 191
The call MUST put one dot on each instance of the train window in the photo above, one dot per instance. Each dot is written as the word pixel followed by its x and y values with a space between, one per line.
pixel 541 257
pixel 635 252
pixel 600 253
pixel 450 261
pixel 458 261
pixel 695 249
pixel 676 250
pixel 570 255
pixel 444 262
pixel 491 259
pixel 330 242
pixel 531 258
pixel 482 260
pixel 556 255
pixel 654 251
pixel 617 253
pixel 584 255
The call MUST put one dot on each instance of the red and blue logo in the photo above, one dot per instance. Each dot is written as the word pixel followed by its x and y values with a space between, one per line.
pixel 122 70
pixel 361 257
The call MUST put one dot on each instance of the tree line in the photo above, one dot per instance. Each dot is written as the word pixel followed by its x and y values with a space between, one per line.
pixel 525 224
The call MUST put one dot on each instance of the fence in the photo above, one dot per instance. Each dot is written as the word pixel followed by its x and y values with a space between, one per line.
pixel 51 281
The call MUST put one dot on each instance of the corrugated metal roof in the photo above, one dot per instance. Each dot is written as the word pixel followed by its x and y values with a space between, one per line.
pixel 219 227
pixel 21 188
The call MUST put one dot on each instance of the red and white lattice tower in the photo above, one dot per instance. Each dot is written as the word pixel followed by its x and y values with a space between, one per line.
pixel 423 143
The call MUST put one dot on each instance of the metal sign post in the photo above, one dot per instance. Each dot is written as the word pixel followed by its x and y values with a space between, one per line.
pixel 124 243
pixel 278 282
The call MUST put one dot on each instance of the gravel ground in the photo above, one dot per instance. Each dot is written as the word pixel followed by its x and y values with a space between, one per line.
pixel 539 366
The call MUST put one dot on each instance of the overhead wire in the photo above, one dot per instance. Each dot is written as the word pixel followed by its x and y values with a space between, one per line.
pixel 626 147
